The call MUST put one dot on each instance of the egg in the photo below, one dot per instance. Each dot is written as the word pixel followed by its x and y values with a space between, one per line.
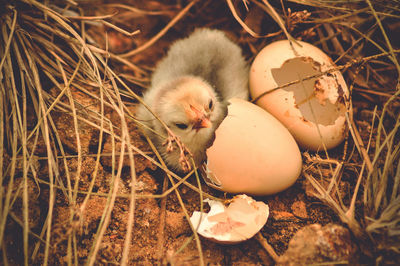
pixel 313 110
pixel 252 153
pixel 239 221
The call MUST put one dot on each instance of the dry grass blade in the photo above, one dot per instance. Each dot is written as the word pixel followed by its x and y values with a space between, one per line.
pixel 133 33
pixel 137 10
pixel 272 12
pixel 8 37
pixel 381 195
pixel 46 58
pixel 378 206
pixel 196 236
pixel 376 230
pixel 333 69
pixel 388 43
pixel 109 207
pixel 125 130
pixel 241 22
pixel 57 68
pixel 162 32
pixel 68 129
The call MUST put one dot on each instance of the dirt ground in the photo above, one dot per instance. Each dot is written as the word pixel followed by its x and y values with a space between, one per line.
pixel 160 231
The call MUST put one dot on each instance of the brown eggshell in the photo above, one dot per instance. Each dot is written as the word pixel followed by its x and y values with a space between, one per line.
pixel 314 109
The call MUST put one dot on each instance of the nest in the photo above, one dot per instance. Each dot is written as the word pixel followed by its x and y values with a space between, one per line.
pixel 79 184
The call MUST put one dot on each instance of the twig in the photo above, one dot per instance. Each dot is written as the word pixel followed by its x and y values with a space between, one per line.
pixel 351 211
pixel 137 10
pixel 391 50
pixel 162 32
pixel 359 143
pixel 132 203
pixel 335 41
pixel 270 250
pixel 139 196
pixel 108 209
pixel 267 7
pixel 374 92
pixel 196 236
pixel 127 33
pixel 161 225
pixel 241 22
pixel 10 37
pixel 91 17
pixel 333 69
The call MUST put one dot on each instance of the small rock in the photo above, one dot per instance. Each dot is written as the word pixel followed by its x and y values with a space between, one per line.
pixel 281 215
pixel 88 135
pixel 316 244
pixel 299 209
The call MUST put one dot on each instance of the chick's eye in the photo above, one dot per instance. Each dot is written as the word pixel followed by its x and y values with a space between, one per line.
pixel 210 104
pixel 181 125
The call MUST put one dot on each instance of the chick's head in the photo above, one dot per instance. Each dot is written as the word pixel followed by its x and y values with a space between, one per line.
pixel 190 108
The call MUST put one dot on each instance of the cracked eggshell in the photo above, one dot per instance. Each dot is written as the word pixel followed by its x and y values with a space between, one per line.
pixel 312 110
pixel 239 221
pixel 252 153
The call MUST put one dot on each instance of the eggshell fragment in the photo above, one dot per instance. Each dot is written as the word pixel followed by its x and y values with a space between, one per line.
pixel 314 109
pixel 253 153
pixel 241 220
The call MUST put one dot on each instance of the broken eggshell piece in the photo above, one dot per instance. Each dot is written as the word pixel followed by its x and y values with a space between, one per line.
pixel 241 220
pixel 313 110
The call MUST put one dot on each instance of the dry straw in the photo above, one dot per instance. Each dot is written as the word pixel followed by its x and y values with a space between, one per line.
pixel 47 56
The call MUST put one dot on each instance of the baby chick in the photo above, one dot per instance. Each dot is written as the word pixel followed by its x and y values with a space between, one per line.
pixel 188 91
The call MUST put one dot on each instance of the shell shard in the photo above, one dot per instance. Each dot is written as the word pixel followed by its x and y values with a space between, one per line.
pixel 237 222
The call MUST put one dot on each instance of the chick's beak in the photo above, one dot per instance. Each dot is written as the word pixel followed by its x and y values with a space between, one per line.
pixel 200 119
pixel 203 122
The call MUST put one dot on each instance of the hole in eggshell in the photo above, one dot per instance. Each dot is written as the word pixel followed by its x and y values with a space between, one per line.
pixel 209 177
pixel 318 99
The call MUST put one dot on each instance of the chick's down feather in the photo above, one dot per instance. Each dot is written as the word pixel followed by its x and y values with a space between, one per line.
pixel 189 91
